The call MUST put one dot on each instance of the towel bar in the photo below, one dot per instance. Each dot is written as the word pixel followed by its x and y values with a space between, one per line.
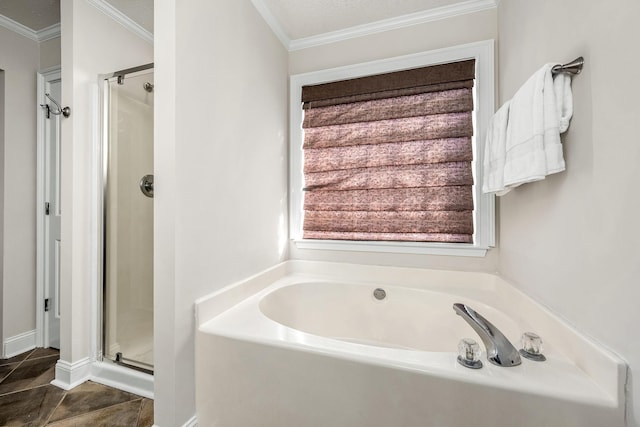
pixel 574 67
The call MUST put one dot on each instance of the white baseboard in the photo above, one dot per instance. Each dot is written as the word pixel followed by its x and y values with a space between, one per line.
pixel 122 378
pixel 70 375
pixel 18 344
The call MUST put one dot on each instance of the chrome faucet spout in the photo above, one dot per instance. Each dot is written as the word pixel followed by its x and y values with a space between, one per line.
pixel 500 351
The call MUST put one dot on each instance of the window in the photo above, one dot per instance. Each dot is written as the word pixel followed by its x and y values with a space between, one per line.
pixel 366 180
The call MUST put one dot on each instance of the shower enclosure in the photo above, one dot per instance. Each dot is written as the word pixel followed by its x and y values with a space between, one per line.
pixel 127 267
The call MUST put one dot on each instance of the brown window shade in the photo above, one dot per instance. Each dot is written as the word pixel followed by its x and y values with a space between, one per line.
pixel 388 157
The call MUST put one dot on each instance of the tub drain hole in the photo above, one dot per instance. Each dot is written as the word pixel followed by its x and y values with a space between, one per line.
pixel 379 294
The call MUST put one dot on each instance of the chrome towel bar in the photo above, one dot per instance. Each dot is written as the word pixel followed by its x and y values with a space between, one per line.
pixel 574 67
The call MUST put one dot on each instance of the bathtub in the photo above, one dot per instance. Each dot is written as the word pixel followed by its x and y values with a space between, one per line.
pixel 308 344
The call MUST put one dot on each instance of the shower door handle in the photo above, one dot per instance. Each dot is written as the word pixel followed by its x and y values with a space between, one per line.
pixel 146 185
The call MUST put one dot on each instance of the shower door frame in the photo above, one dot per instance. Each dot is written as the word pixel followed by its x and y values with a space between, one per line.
pixel 103 83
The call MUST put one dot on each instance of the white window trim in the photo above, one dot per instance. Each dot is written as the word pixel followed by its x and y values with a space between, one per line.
pixel 484 214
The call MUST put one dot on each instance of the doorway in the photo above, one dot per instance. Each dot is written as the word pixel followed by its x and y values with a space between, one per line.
pixel 49 210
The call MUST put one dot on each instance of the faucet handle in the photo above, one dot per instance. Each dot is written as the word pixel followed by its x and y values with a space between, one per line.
pixel 469 353
pixel 532 347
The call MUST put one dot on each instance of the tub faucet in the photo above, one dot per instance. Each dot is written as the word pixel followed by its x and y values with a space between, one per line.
pixel 499 350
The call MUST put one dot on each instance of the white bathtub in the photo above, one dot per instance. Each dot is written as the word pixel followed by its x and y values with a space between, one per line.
pixel 307 344
pixel 410 319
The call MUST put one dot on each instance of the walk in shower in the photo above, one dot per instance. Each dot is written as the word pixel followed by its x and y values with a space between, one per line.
pixel 127 267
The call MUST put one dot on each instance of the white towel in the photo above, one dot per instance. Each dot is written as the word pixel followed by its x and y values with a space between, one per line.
pixel 533 137
pixel 525 159
pixel 564 100
pixel 495 151
pixel 557 114
pixel 529 148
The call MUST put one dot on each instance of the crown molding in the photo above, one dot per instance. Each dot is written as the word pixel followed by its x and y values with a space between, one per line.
pixel 49 33
pixel 16 27
pixel 444 12
pixel 53 31
pixel 122 19
pixel 37 36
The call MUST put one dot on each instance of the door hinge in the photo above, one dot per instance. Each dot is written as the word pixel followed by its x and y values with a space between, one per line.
pixel 46 304
pixel 46 208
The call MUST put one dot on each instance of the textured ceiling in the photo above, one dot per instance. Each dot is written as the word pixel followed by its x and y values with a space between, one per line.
pixel 305 18
pixel 34 14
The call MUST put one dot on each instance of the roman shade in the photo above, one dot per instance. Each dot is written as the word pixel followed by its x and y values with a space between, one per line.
pixel 388 157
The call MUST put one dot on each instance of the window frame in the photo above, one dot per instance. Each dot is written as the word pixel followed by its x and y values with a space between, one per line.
pixel 484 97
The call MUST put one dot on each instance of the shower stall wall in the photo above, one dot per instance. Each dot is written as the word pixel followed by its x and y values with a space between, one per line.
pixel 127 297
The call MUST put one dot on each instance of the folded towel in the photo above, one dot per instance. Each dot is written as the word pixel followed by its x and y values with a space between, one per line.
pixel 529 148
pixel 564 100
pixel 557 114
pixel 495 151
pixel 525 158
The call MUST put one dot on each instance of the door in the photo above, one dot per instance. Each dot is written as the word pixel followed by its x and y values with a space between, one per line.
pixel 128 237
pixel 52 221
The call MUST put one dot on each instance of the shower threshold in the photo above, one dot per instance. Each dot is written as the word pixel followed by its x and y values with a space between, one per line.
pixel 133 364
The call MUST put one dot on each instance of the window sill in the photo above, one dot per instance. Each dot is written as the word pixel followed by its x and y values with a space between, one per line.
pixel 449 249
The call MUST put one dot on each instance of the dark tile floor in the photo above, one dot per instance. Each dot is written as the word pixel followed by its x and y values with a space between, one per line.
pixel 27 398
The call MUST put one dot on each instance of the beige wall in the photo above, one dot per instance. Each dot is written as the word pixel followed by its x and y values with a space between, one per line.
pixel 19 58
pixel 571 241
pixel 50 53
pixel 220 163
pixel 418 38
pixel 91 44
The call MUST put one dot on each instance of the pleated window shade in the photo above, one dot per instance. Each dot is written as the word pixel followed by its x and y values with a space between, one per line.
pixel 388 157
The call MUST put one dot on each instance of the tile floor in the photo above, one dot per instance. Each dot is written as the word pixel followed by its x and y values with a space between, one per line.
pixel 27 398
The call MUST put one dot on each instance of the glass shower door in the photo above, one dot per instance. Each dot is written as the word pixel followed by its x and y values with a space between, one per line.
pixel 128 220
